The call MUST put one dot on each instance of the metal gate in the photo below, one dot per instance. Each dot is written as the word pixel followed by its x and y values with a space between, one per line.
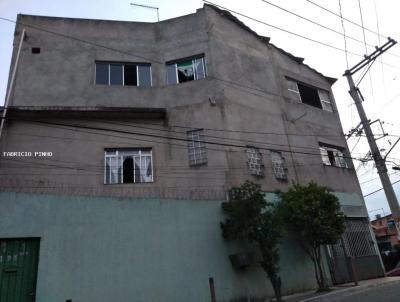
pixel 355 253
pixel 18 269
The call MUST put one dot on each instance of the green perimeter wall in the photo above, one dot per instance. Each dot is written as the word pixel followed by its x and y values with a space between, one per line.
pixel 109 249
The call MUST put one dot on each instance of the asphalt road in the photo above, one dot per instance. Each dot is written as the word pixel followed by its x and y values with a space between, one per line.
pixel 383 293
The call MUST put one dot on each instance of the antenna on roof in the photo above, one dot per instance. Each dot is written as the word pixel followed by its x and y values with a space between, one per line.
pixel 150 7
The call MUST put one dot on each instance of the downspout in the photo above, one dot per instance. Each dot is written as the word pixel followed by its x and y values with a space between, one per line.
pixel 10 88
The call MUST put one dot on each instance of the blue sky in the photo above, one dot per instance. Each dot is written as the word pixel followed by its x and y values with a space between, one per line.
pixel 382 97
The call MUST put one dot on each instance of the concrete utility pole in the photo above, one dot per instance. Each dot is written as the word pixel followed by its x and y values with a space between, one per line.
pixel 358 98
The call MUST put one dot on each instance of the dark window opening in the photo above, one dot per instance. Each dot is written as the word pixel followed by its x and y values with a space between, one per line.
pixel 102 74
pixel 35 50
pixel 130 75
pixel 186 70
pixel 309 95
pixel 128 170
pixel 331 157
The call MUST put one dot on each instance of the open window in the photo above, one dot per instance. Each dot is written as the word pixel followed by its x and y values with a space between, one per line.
pixel 309 95
pixel 123 74
pixel 128 166
pixel 333 156
pixel 186 70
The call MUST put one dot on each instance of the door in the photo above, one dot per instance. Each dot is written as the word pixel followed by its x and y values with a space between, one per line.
pixel 18 269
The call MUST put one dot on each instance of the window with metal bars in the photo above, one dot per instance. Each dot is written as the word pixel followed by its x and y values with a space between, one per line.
pixel 254 161
pixel 196 147
pixel 186 70
pixel 124 74
pixel 128 166
pixel 278 165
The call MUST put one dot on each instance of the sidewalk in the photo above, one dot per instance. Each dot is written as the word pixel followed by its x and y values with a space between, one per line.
pixel 341 290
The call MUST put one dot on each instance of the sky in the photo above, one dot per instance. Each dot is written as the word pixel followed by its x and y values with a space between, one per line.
pixel 380 87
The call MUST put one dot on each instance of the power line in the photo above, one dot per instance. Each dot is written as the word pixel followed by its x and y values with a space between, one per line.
pixel 348 20
pixel 165 137
pixel 373 192
pixel 344 35
pixel 290 32
pixel 81 40
pixel 323 26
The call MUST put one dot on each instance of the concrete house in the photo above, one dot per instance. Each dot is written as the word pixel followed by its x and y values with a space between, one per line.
pixel 121 140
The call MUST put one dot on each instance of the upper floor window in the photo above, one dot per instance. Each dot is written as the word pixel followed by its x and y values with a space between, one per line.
pixel 126 74
pixel 333 156
pixel 254 161
pixel 278 165
pixel 186 70
pixel 309 95
pixel 128 166
pixel 196 147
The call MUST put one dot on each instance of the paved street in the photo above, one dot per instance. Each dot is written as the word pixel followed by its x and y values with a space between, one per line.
pixel 385 293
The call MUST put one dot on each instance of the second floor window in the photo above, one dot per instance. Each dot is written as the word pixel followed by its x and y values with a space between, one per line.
pixel 128 166
pixel 123 74
pixel 333 156
pixel 186 70
pixel 309 95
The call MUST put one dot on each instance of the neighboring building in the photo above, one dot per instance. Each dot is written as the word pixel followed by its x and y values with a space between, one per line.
pixel 385 232
pixel 149 125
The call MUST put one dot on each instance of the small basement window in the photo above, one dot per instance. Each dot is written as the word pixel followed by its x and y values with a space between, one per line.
pixel 123 74
pixel 186 70
pixel 309 95
pixel 333 156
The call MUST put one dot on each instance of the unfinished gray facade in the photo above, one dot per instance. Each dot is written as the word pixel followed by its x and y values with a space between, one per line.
pixel 148 125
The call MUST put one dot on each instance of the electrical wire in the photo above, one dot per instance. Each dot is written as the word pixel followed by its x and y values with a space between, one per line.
pixel 373 192
pixel 344 35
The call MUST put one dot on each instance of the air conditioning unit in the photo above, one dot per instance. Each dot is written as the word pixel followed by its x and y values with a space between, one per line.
pixel 242 260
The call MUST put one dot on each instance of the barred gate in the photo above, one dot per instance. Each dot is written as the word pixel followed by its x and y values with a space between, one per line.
pixel 358 245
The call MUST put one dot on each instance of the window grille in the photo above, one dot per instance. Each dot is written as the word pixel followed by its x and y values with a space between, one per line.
pixel 254 161
pixel 278 165
pixel 196 148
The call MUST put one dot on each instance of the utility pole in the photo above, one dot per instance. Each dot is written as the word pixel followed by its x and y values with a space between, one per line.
pixel 358 98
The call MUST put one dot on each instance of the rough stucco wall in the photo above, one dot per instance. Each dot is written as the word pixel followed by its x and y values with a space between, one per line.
pixel 107 249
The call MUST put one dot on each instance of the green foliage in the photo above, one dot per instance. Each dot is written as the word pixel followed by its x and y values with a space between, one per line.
pixel 314 214
pixel 251 218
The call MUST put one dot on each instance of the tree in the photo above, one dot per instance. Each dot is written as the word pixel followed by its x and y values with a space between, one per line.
pixel 251 218
pixel 314 214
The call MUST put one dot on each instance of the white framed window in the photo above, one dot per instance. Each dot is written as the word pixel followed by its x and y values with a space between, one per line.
pixel 186 70
pixel 309 95
pixel 123 74
pixel 254 161
pixel 196 147
pixel 333 156
pixel 278 165
pixel 128 166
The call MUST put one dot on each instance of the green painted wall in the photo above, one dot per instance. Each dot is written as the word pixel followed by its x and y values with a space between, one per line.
pixel 108 249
